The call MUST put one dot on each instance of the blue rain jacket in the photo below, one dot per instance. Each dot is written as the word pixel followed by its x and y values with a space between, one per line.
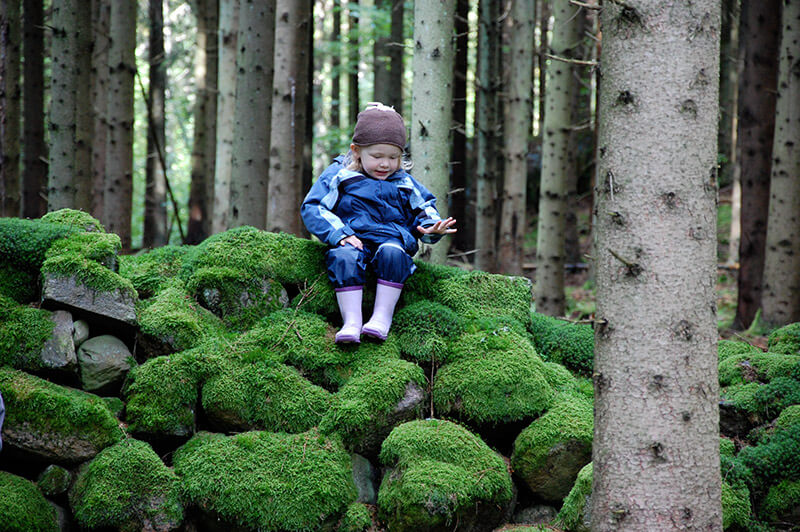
pixel 344 202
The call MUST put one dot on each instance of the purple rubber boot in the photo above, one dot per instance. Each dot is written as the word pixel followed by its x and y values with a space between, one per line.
pixel 349 299
pixel 386 296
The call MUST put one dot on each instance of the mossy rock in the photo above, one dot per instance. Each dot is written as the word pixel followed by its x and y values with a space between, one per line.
pixel 423 329
pixel 575 511
pixel 267 481
pixel 23 243
pixel 23 333
pixel 782 503
pixel 374 400
pixel 785 340
pixel 151 271
pixel 772 398
pixel 80 220
pixel 442 475
pixel 569 344
pixel 551 451
pixel 99 247
pixel 19 285
pixel 494 377
pixel 129 488
pixel 774 459
pixel 53 422
pixel 54 480
pixel 484 295
pixel 789 417
pixel 316 296
pixel 23 506
pixel 358 518
pixel 736 510
pixel 755 367
pixel 422 285
pixel 729 348
pixel 727 447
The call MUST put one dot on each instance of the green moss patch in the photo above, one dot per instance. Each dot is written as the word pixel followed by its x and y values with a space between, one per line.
pixel 88 272
pixel 781 501
pixel 483 295
pixel 785 340
pixel 80 220
pixel 23 243
pixel 127 487
pixel 19 285
pixel 23 506
pixel 358 518
pixel 729 348
pixel 570 344
pixel 573 514
pixel 755 367
pixel 422 285
pixel 424 328
pixel 267 481
pixel 736 508
pixel 151 271
pixel 776 458
pixel 23 332
pixel 99 247
pixel 772 398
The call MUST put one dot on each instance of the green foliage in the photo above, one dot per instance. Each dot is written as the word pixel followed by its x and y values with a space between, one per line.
pixel 479 295
pixel 23 332
pixel 782 499
pixel 755 367
pixel 23 506
pixel 357 518
pixel 82 221
pixel 729 348
pixel 790 416
pixel 785 340
pixel 150 272
pixel 23 243
pixel 439 470
pixel 423 329
pixel 126 486
pixel 20 285
pixel 727 447
pixel 573 514
pixel 269 481
pixel 735 506
pixel 775 458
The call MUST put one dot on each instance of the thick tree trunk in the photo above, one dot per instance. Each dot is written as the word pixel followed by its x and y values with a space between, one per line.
pixel 155 194
pixel 226 105
pixel 34 175
pixel 381 87
pixel 458 156
pixel 248 202
pixel 10 107
pixel 656 436
pixel 288 116
pixel 397 66
pixel 543 11
pixel 518 117
pixel 353 40
pixel 84 113
pixel 781 298
pixel 557 162
pixel 728 54
pixel 118 192
pixel 759 34
pixel 336 68
pixel 431 109
pixel 486 133
pixel 101 16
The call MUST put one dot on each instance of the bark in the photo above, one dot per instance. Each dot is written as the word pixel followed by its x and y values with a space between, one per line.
pixel 288 116
pixel 486 132
pixel 226 105
pixel 10 107
pixel 352 77
pixel 518 118
pixel 557 162
pixel 431 109
pixel 728 55
pixel 656 435
pixel 118 191
pixel 61 176
pixel 781 298
pixel 101 16
pixel 759 34
pixel 155 195
pixel 381 65
pixel 458 156
pixel 544 12
pixel 84 113
pixel 397 66
pixel 336 68
pixel 248 200
pixel 34 174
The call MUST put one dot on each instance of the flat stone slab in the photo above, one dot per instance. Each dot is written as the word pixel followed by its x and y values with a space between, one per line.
pixel 58 351
pixel 69 292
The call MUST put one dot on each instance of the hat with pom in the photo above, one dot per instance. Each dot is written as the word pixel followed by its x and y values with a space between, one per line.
pixel 379 124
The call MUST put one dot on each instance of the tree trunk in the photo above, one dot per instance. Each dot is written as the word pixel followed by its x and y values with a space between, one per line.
pixel 34 174
pixel 381 87
pixel 101 16
pixel 543 11
pixel 458 156
pixel 226 105
pixel 248 201
pixel 656 436
pixel 288 116
pixel 61 178
pixel 155 194
pixel 353 40
pixel 486 141
pixel 557 162
pixel 336 68
pixel 759 34
pixel 84 113
pixel 118 193
pixel 431 110
pixel 728 55
pixel 518 118
pixel 781 298
pixel 10 107
pixel 397 67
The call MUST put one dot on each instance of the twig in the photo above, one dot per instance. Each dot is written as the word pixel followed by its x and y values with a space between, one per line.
pixel 633 268
pixel 572 61
pixel 585 5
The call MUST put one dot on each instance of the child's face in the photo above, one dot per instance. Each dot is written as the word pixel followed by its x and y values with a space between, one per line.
pixel 379 160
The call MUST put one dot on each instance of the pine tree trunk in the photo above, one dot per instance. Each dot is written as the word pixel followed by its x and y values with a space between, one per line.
pixel 431 109
pixel 381 87
pixel 61 176
pixel 212 90
pixel 557 162
pixel 760 32
pixel 336 68
pixel 486 133
pixel 248 200
pixel 543 11
pixel 101 16
pixel 397 69
pixel 781 298
pixel 458 156
pixel 727 90
pixel 518 118
pixel 226 104
pixel 353 40
pixel 118 193
pixel 34 174
pixel 84 113
pixel 10 107
pixel 656 437
pixel 155 195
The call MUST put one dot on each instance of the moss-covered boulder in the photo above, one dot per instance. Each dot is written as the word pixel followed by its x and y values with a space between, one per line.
pixel 358 518
pixel 442 476
pixel 423 330
pixel 127 487
pixel 551 451
pixel 736 509
pixel 563 342
pixel 484 295
pixel 575 513
pixel 772 398
pixel 423 284
pixel 755 367
pixel 729 348
pixel 785 340
pixel 19 285
pixel 154 269
pixel 55 423
pixel 267 481
pixel 75 219
pixel 782 504
pixel 775 458
pixel 23 333
pixel 23 507
pixel 54 480
pixel 23 243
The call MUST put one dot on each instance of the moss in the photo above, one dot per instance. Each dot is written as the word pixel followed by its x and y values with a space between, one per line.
pixel 99 247
pixel 268 481
pixel 151 271
pixel 88 272
pixel 781 499
pixel 540 327
pixel 781 392
pixel 16 284
pixel 23 506
pixel 23 243
pixel 735 506
pixel 422 284
pixel 785 340
pixel 742 396
pixel 755 367
pixel 80 220
pixel 316 296
pixel 358 518
pixel 127 486
pixel 54 480
pixel 48 409
pixel 729 348
pixel 483 295
pixel 789 417
pixel 494 377
pixel 569 344
pixel 440 470
pixel 573 513
pixel 423 328
pixel 727 447
pixel 23 332
pixel 775 458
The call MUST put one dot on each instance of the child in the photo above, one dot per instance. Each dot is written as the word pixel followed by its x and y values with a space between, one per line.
pixel 371 212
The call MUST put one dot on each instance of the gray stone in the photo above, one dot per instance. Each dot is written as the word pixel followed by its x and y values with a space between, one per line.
pixel 54 480
pixel 80 333
pixel 104 361
pixel 366 477
pixel 368 442
pixel 58 351
pixel 72 293
pixel 535 515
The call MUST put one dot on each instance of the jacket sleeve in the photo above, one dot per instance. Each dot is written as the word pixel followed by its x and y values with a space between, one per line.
pixel 423 205
pixel 317 209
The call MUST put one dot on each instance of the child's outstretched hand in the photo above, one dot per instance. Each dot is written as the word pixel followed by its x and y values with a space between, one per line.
pixel 442 227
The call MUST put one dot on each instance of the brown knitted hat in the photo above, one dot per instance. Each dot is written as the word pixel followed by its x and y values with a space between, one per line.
pixel 379 124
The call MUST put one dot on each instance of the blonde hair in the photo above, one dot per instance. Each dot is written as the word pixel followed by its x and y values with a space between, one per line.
pixel 353 163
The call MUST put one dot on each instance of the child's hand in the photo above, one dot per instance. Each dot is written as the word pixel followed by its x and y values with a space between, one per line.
pixel 352 240
pixel 442 227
